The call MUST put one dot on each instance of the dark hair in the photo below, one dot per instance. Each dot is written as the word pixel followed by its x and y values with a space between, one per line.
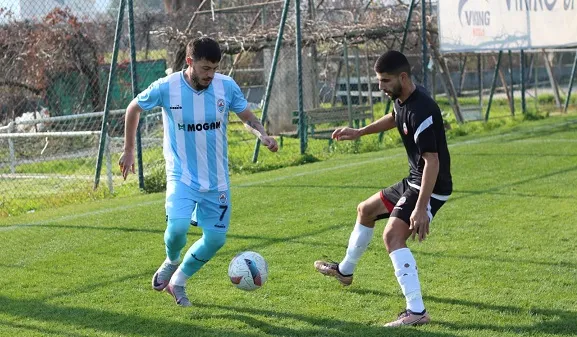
pixel 204 48
pixel 393 62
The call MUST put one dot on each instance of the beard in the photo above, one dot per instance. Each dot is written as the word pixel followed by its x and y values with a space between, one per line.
pixel 396 92
pixel 196 81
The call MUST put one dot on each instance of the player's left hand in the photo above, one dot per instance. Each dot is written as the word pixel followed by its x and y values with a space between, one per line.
pixel 419 224
pixel 126 163
pixel 270 143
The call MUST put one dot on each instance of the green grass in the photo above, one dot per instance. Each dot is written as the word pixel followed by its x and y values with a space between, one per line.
pixel 500 259
pixel 46 193
pixel 79 166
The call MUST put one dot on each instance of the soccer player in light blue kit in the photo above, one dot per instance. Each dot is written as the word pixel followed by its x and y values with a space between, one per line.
pixel 195 105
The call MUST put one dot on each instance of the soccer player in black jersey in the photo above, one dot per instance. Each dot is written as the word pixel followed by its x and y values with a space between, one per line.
pixel 411 203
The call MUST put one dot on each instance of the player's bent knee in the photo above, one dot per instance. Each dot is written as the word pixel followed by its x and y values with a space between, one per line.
pixel 214 240
pixel 360 208
pixel 365 210
pixel 395 234
pixel 178 227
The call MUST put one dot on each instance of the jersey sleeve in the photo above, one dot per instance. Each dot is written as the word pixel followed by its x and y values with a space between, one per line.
pixel 424 134
pixel 150 97
pixel 237 103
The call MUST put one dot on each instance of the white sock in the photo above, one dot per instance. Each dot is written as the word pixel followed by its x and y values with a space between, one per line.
pixel 172 262
pixel 406 272
pixel 179 278
pixel 358 243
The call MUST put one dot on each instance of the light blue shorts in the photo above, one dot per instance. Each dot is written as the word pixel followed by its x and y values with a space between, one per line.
pixel 211 210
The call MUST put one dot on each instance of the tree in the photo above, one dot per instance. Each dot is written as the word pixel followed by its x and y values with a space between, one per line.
pixel 38 53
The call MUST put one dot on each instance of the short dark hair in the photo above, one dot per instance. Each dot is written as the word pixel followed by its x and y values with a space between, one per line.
pixel 393 62
pixel 204 48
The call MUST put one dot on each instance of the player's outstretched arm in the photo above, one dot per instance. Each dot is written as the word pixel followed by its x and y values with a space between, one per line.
pixel 126 161
pixel 255 127
pixel 384 123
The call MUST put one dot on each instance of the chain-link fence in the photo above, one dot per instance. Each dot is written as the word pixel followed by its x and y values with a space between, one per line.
pixel 56 58
pixel 57 61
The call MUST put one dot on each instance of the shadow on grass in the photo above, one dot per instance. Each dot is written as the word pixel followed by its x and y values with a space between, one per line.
pixel 543 131
pixel 495 154
pixel 307 186
pixel 501 259
pixel 316 326
pixel 195 232
pixel 83 289
pixel 517 183
pixel 521 133
pixel 551 322
pixel 73 318
pixel 64 320
pixel 37 329
pixel 516 194
pixel 467 193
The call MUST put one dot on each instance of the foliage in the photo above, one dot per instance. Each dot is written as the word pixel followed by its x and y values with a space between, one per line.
pixel 155 178
pixel 36 51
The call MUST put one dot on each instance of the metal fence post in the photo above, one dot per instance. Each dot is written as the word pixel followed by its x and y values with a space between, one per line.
pixel 424 41
pixel 571 80
pixel 493 84
pixel 104 127
pixel 302 121
pixel 135 92
pixel 348 77
pixel 270 82
pixel 523 101
pixel 11 128
pixel 512 83
pixel 109 164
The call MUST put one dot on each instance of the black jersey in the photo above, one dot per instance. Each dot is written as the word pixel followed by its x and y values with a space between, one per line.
pixel 420 124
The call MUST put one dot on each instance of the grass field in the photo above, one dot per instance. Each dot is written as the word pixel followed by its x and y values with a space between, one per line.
pixel 500 259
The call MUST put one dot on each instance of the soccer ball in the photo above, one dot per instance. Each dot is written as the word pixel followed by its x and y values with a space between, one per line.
pixel 248 271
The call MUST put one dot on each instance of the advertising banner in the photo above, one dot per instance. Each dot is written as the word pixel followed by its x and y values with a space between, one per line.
pixel 491 25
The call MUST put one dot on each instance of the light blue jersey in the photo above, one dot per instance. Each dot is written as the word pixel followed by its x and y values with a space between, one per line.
pixel 195 123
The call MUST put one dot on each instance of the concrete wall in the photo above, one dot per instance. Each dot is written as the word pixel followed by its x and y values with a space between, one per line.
pixel 284 94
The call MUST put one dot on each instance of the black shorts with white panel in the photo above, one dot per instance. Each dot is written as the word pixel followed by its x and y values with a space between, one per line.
pixel 400 200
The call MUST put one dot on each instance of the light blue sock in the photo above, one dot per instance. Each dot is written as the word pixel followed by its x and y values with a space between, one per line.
pixel 175 237
pixel 202 251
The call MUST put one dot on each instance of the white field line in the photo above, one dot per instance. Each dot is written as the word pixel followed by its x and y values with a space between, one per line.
pixel 290 176
pixel 552 140
pixel 467 142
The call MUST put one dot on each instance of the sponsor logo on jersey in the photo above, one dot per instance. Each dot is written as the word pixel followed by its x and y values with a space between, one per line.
pixel 199 126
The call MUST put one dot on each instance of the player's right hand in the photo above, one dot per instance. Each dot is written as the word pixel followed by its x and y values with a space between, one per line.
pixel 346 133
pixel 126 163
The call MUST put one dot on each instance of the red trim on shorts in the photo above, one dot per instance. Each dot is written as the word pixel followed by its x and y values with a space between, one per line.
pixel 389 205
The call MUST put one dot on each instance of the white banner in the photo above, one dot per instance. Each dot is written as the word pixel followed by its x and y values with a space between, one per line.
pixel 491 25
